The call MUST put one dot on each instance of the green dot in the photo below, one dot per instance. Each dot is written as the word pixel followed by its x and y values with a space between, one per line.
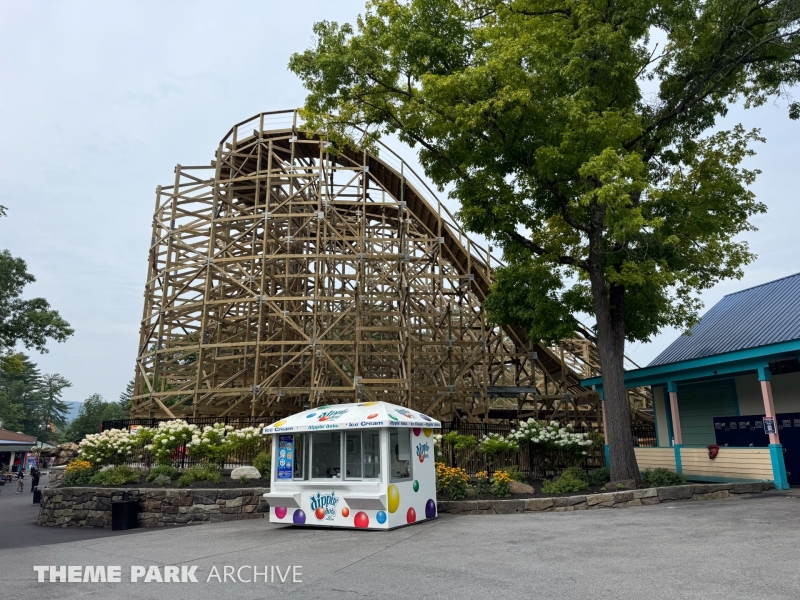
pixel 416 485
pixel 393 418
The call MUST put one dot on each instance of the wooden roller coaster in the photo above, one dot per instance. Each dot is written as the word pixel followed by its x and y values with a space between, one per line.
pixel 289 273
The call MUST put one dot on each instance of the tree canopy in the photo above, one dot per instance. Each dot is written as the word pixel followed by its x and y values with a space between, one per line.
pixel 581 136
pixel 29 322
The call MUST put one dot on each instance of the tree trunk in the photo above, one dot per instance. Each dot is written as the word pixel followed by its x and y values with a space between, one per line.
pixel 609 306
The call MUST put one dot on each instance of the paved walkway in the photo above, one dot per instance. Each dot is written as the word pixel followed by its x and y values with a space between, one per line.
pixel 18 521
pixel 745 548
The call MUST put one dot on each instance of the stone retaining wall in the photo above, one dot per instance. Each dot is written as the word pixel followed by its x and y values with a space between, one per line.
pixel 91 506
pixel 622 499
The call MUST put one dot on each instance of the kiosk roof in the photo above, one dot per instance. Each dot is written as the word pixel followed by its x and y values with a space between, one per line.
pixel 353 416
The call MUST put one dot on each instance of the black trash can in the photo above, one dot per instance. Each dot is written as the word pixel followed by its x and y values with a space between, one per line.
pixel 37 495
pixel 124 511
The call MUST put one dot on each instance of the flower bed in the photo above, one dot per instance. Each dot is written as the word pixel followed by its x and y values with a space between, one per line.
pixel 620 499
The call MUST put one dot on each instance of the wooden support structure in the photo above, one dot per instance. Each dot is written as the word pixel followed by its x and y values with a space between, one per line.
pixel 289 273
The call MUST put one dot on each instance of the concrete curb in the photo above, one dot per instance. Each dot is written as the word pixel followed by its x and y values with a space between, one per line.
pixel 621 499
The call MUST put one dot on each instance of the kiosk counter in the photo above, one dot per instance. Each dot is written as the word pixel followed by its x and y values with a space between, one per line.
pixel 368 466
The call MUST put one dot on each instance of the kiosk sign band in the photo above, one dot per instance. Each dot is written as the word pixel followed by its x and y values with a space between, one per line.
pixel 285 456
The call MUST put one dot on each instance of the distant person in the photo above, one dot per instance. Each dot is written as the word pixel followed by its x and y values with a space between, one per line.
pixel 35 474
pixel 20 480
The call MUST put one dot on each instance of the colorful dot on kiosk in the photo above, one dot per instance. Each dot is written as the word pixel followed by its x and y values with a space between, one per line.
pixel 393 418
pixel 361 520
pixel 393 497
pixel 345 512
pixel 320 514
pixel 279 424
pixel 430 509
pixel 280 511
pixel 416 485
pixel 299 517
pixel 381 517
pixel 411 515
pixel 416 431
pixel 427 431
pixel 370 403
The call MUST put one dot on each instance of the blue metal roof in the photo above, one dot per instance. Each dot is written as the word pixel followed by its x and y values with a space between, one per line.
pixel 758 316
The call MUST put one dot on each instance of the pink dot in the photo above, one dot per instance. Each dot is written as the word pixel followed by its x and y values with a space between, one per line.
pixel 416 431
pixel 280 511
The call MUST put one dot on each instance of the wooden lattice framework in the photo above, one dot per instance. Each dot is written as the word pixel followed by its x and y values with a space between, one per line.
pixel 287 274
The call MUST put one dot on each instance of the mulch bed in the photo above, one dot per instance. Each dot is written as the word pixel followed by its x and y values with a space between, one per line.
pixel 537 487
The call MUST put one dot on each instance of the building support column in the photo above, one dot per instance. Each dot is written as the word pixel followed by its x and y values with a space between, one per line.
pixel 775 446
pixel 677 437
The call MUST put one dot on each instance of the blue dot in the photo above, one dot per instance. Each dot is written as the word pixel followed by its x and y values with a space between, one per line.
pixel 381 517
pixel 311 415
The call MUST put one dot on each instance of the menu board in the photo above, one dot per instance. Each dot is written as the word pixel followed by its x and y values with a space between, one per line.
pixel 285 456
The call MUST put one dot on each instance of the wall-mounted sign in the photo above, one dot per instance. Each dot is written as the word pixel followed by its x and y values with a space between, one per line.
pixel 769 424
pixel 285 456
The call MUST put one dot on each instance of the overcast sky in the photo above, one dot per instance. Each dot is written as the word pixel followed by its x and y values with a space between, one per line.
pixel 100 100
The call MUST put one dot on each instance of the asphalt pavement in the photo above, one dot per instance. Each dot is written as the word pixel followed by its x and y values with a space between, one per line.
pixel 742 548
pixel 19 526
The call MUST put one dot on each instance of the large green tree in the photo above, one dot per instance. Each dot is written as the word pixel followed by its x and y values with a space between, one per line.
pixel 93 411
pixel 31 321
pixel 588 151
pixel 52 410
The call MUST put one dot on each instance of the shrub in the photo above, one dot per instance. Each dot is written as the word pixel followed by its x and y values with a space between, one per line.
pixel 245 440
pixel 566 483
pixel 119 475
pixel 263 462
pixel 577 473
pixel 515 474
pixel 500 487
pixel 109 447
pixel 199 473
pixel 661 478
pixel 451 481
pixel 211 443
pixel 78 472
pixel 599 476
pixel 168 439
pixel 494 443
pixel 551 437
pixel 167 470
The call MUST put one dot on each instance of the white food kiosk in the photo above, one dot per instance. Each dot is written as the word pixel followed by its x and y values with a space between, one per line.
pixel 368 465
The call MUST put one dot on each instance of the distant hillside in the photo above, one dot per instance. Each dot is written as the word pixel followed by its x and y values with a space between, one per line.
pixel 74 407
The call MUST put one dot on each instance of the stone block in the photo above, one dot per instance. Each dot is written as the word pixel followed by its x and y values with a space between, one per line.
pixel 506 507
pixel 263 507
pixel 248 508
pixel 600 499
pixel 626 496
pixel 634 502
pixel 230 510
pixel 564 509
pixel 581 506
pixel 539 504
pixel 573 500
pixel 196 509
pixel 645 493
pixel 229 494
pixel 716 487
pixel 95 522
pixel 484 505
pixel 675 492
pixel 718 495
pixel 204 497
pixel 233 502
pixel 169 510
pixel 650 501
pixel 750 488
